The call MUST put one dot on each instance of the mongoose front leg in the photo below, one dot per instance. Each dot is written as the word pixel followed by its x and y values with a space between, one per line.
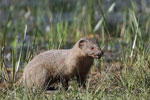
pixel 65 83
pixel 81 79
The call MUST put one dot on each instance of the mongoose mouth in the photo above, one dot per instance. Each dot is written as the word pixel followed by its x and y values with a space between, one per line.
pixel 96 56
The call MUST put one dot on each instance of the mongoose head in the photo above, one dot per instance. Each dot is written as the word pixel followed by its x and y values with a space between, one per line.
pixel 90 48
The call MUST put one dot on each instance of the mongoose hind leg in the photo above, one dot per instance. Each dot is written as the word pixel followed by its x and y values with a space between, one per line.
pixel 36 77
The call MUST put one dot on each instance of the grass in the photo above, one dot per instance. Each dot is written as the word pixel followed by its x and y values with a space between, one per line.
pixel 123 73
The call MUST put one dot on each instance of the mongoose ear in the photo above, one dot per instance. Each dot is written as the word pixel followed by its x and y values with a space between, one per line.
pixel 82 43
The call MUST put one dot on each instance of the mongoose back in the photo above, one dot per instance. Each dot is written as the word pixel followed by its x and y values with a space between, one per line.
pixel 53 65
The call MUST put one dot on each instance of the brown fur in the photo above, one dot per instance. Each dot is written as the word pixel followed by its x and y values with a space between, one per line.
pixel 53 65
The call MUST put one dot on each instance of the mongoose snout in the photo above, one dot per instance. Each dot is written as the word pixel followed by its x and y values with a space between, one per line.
pixel 61 65
pixel 97 52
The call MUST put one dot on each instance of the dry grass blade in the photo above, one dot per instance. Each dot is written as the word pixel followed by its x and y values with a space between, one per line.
pixel 98 25
pixel 18 63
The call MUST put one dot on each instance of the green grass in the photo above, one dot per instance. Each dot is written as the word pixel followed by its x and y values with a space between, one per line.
pixel 125 76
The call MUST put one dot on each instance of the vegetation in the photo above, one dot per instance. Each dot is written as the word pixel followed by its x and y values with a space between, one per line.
pixel 124 71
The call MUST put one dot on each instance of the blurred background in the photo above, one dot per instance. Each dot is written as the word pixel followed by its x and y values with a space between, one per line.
pixel 59 23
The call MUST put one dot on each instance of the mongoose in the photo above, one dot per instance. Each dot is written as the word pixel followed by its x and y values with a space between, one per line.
pixel 53 65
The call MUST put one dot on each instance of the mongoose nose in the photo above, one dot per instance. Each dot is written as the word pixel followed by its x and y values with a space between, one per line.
pixel 102 53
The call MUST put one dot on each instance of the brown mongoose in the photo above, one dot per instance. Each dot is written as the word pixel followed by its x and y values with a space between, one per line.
pixel 53 65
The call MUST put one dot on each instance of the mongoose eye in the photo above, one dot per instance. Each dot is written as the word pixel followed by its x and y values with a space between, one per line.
pixel 92 48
